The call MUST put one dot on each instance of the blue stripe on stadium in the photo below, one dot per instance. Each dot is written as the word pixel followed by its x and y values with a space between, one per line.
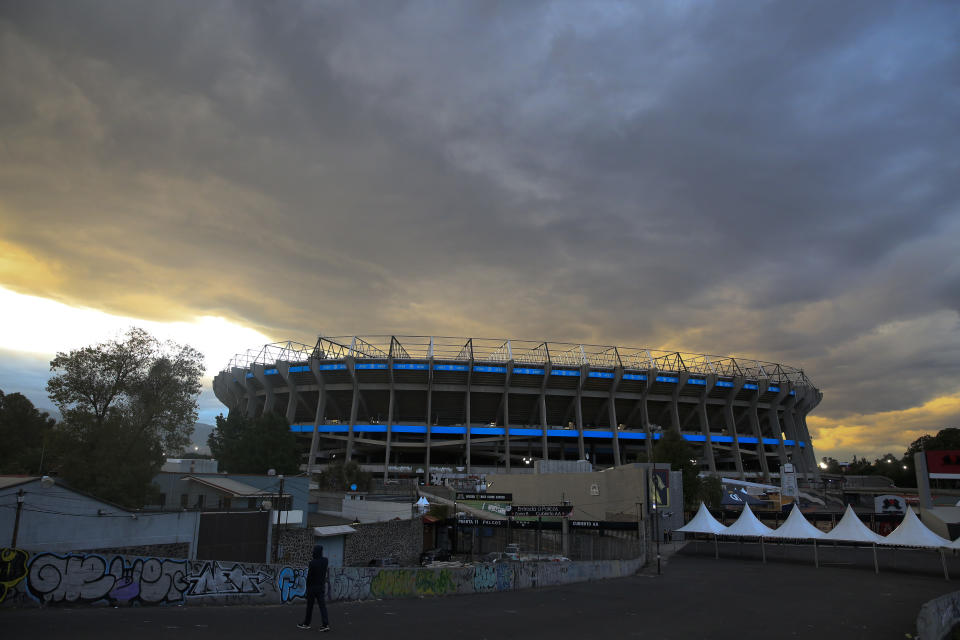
pixel 490 369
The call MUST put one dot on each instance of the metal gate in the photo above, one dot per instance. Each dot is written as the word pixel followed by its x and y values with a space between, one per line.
pixel 237 536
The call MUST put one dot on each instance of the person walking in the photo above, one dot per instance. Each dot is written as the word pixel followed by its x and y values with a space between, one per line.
pixel 316 589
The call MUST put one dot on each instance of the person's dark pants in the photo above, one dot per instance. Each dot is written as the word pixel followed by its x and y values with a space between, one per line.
pixel 320 598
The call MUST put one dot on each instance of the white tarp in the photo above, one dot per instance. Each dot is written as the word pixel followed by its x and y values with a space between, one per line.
pixel 703 522
pixel 747 525
pixel 913 533
pixel 796 527
pixel 851 529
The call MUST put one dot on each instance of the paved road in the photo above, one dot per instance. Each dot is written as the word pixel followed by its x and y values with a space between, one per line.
pixel 695 597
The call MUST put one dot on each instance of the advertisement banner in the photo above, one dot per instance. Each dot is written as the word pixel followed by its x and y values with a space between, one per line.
pixel 943 464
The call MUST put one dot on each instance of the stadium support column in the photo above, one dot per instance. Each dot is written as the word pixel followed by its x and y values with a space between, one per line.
pixel 354 403
pixel 584 372
pixel 506 414
pixel 612 414
pixel 249 391
pixel 807 399
pixel 241 391
pixel 790 426
pixel 467 411
pixel 293 397
pixel 386 457
pixel 320 416
pixel 545 447
pixel 645 411
pixel 774 421
pixel 269 397
pixel 711 380
pixel 682 378
pixel 426 465
pixel 732 425
pixel 755 425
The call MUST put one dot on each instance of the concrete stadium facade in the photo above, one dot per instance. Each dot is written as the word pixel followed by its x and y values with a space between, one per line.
pixel 404 402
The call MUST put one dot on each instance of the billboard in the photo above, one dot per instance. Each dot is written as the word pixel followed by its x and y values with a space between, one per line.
pixel 943 464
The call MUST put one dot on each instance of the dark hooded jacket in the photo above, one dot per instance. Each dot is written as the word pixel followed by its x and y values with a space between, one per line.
pixel 317 572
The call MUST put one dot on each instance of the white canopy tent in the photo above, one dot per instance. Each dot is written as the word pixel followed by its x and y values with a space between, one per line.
pixel 748 526
pixel 910 533
pixel 851 529
pixel 796 527
pixel 703 522
pixel 913 533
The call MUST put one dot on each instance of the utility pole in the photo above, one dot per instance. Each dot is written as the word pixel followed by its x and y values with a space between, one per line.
pixel 276 537
pixel 16 521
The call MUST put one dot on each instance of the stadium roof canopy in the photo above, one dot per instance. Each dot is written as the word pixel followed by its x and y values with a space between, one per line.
pixel 500 350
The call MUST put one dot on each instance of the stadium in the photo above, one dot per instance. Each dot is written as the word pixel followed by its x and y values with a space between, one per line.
pixel 421 406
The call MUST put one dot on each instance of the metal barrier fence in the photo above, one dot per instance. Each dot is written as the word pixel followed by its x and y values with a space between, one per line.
pixel 546 540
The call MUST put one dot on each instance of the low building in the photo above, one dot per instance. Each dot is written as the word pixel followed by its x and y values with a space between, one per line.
pixel 234 492
pixel 612 495
pixel 48 515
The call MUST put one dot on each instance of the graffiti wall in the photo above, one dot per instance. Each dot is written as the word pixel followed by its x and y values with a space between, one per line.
pixel 51 579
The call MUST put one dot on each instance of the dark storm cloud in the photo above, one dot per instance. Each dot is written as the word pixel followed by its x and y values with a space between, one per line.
pixel 776 180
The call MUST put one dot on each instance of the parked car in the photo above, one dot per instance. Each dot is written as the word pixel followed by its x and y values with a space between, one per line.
pixel 434 555
pixel 383 562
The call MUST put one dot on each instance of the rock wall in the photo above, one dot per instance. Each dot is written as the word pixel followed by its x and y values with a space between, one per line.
pixel 48 579
pixel 401 540
pixel 939 616
pixel 296 546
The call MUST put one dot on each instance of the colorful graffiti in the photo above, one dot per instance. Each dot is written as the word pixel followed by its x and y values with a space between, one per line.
pixel 223 579
pixel 350 584
pixel 291 583
pixel 493 577
pixel 399 583
pixel 13 569
pixel 89 577
pixel 83 578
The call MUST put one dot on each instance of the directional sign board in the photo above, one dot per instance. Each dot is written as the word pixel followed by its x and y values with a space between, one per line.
pixel 491 497
pixel 540 510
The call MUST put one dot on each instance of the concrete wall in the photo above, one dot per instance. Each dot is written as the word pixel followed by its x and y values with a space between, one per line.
pixel 612 494
pixel 59 519
pixel 355 508
pixel 37 579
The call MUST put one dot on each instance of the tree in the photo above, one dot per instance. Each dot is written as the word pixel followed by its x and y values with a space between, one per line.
pixel 674 449
pixel 125 402
pixel 339 476
pixel 245 445
pixel 711 491
pixel 25 434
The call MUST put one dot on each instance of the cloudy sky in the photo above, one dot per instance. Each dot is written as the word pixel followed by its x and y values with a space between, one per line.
pixel 776 180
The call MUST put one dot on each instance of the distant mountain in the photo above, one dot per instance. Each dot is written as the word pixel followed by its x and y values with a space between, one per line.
pixel 198 441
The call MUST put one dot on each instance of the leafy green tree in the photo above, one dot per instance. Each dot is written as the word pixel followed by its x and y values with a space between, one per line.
pixel 674 449
pixel 711 491
pixel 339 476
pixel 25 434
pixel 245 445
pixel 125 402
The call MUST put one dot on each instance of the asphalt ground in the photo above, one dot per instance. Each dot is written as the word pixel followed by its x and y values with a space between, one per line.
pixel 695 596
